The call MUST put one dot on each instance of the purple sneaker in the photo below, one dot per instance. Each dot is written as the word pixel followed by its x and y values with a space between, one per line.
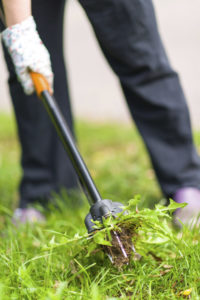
pixel 27 215
pixel 189 215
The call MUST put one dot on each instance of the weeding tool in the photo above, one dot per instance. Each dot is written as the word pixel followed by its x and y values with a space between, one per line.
pixel 100 208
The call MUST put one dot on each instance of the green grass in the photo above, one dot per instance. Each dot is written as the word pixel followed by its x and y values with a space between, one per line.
pixel 33 268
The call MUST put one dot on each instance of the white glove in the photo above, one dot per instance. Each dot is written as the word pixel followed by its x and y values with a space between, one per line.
pixel 28 53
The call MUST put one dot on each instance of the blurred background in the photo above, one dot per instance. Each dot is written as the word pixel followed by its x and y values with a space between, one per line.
pixel 94 88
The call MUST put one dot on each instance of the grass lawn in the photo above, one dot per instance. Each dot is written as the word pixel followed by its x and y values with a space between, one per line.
pixel 33 267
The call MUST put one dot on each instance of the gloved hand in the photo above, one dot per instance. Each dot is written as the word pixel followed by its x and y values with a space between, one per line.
pixel 28 53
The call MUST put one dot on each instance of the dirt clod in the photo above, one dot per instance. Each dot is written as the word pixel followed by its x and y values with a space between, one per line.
pixel 117 255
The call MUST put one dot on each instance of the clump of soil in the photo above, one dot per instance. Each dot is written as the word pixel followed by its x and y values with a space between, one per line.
pixel 122 248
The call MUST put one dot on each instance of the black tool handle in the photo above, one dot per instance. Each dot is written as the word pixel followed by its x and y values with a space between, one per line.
pixel 65 135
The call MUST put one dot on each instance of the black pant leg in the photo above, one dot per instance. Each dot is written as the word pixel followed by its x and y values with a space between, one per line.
pixel 46 167
pixel 128 35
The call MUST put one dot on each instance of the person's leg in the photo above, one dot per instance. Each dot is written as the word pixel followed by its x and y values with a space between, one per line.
pixel 46 167
pixel 128 35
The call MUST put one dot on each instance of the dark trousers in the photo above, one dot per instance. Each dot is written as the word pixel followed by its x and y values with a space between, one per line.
pixel 45 165
pixel 128 35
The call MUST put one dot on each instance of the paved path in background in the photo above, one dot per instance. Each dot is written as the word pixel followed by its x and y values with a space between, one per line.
pixel 94 88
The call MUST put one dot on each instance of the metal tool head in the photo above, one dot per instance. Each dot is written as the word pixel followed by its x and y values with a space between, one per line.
pixel 102 209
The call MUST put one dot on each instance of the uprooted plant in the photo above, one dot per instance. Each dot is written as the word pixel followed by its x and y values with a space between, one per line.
pixel 141 232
